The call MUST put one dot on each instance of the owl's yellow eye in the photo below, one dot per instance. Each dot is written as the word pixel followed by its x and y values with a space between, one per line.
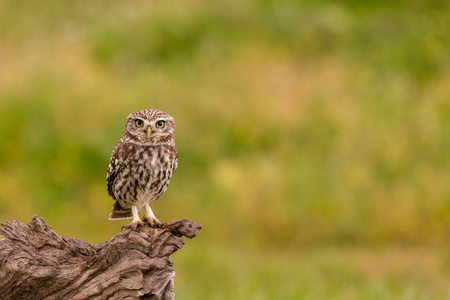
pixel 160 124
pixel 139 123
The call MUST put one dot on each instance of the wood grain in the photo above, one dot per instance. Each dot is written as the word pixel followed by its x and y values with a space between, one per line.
pixel 37 263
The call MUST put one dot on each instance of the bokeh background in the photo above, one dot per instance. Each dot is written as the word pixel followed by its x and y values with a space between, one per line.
pixel 313 136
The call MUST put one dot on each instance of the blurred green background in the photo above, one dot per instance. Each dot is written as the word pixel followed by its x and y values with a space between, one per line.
pixel 313 136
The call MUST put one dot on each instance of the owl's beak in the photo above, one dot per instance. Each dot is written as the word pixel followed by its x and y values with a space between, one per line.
pixel 149 131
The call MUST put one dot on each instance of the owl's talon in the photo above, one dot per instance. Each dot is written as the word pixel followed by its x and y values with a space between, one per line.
pixel 134 225
pixel 154 223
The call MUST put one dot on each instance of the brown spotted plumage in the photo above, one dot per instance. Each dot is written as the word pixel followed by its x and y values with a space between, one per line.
pixel 141 165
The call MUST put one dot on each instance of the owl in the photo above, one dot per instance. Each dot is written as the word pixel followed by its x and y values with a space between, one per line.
pixel 141 166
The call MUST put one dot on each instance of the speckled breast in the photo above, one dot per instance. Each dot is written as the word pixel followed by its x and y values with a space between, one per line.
pixel 146 173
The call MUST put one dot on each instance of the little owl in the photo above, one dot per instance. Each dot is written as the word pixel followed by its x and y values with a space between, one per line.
pixel 141 165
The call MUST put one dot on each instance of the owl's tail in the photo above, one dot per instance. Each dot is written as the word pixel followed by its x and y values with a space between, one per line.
pixel 118 212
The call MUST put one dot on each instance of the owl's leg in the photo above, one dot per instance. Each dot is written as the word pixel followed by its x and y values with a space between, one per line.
pixel 136 221
pixel 150 217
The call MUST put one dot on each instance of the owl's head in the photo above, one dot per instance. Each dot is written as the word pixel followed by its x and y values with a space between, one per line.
pixel 150 127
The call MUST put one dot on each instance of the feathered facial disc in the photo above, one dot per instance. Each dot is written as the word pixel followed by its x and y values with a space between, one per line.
pixel 150 126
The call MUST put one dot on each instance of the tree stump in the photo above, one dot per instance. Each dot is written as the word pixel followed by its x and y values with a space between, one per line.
pixel 37 263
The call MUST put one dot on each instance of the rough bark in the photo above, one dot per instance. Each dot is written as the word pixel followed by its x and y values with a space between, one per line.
pixel 37 263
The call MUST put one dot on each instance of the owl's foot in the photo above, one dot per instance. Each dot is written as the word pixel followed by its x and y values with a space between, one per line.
pixel 150 218
pixel 153 222
pixel 133 225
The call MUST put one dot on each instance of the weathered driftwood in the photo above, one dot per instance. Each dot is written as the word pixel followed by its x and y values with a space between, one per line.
pixel 37 263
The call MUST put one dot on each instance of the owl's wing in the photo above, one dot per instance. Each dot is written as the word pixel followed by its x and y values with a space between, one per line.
pixel 113 169
pixel 110 182
pixel 175 166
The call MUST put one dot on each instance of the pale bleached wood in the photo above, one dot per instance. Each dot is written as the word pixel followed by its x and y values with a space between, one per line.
pixel 37 263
